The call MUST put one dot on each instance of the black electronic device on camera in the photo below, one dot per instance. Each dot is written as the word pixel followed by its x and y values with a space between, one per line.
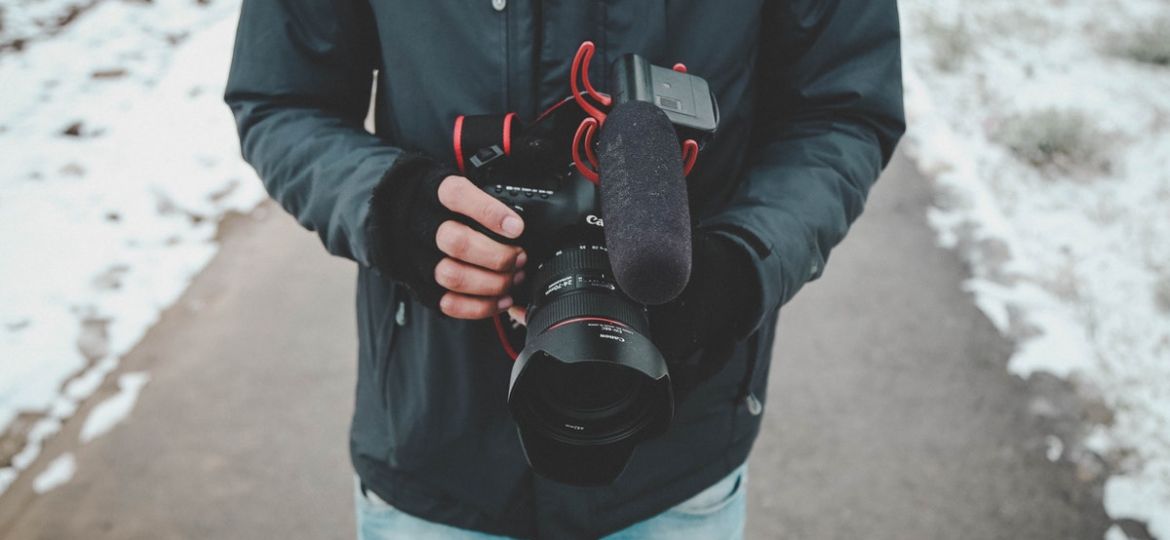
pixel 588 385
pixel 685 98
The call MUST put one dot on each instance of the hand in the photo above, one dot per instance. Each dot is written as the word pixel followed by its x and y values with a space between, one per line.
pixel 477 272
pixel 713 312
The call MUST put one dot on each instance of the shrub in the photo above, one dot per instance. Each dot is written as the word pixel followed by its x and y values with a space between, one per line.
pixel 1065 140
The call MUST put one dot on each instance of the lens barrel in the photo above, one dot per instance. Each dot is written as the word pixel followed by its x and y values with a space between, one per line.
pixel 575 282
pixel 588 385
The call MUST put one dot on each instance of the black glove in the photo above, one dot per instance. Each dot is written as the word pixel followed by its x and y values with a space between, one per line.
pixel 697 330
pixel 405 214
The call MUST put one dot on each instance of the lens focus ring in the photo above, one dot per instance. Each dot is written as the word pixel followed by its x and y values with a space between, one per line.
pixel 574 260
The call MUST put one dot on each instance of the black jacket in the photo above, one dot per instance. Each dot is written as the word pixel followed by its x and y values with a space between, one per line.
pixel 811 101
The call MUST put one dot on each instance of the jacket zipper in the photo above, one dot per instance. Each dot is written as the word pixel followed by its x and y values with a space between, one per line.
pixel 745 386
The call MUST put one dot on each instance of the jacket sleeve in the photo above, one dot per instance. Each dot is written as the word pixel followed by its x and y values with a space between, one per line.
pixel 829 114
pixel 299 88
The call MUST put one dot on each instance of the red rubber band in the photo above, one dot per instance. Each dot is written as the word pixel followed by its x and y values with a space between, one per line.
pixel 690 154
pixel 578 138
pixel 584 54
pixel 590 131
pixel 459 143
pixel 593 93
pixel 508 133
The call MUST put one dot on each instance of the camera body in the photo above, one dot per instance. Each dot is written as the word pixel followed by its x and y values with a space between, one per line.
pixel 555 208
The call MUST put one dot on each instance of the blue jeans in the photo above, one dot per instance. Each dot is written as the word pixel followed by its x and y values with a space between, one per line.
pixel 716 513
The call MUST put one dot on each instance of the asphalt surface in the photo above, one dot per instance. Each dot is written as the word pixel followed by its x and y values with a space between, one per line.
pixel 890 413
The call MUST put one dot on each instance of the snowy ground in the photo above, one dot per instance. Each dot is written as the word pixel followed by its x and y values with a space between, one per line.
pixel 119 158
pixel 1047 128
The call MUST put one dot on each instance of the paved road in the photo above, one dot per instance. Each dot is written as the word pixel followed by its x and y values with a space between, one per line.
pixel 891 415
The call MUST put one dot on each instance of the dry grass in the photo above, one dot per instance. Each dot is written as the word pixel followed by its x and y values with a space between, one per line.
pixel 1162 293
pixel 1064 140
pixel 1149 44
pixel 951 42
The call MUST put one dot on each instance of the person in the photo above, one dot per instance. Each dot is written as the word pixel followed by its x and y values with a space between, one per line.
pixel 811 110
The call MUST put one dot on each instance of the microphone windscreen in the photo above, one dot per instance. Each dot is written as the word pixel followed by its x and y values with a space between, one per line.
pixel 644 203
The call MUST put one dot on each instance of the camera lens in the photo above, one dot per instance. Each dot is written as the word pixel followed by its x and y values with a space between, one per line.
pixel 586 389
pixel 590 402
pixel 588 385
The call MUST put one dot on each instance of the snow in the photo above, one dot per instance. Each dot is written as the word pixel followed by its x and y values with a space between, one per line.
pixel 110 412
pixel 1068 261
pixel 1055 447
pixel 119 159
pixel 57 473
pixel 7 476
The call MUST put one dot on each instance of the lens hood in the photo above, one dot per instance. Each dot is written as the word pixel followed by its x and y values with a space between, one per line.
pixel 584 393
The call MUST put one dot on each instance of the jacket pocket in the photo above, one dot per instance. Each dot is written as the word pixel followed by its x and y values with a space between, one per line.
pixel 392 319
pixel 445 402
pixel 753 387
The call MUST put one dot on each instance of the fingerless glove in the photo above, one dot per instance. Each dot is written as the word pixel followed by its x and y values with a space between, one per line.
pixel 405 214
pixel 697 330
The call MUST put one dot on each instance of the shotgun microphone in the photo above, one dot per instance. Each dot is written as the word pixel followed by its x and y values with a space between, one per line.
pixel 644 203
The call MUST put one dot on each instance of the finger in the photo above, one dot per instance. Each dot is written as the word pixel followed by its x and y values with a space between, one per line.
pixel 462 306
pixel 459 195
pixel 466 244
pixel 518 314
pixel 465 278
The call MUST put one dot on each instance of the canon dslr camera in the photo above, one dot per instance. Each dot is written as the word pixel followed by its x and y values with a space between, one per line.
pixel 588 385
